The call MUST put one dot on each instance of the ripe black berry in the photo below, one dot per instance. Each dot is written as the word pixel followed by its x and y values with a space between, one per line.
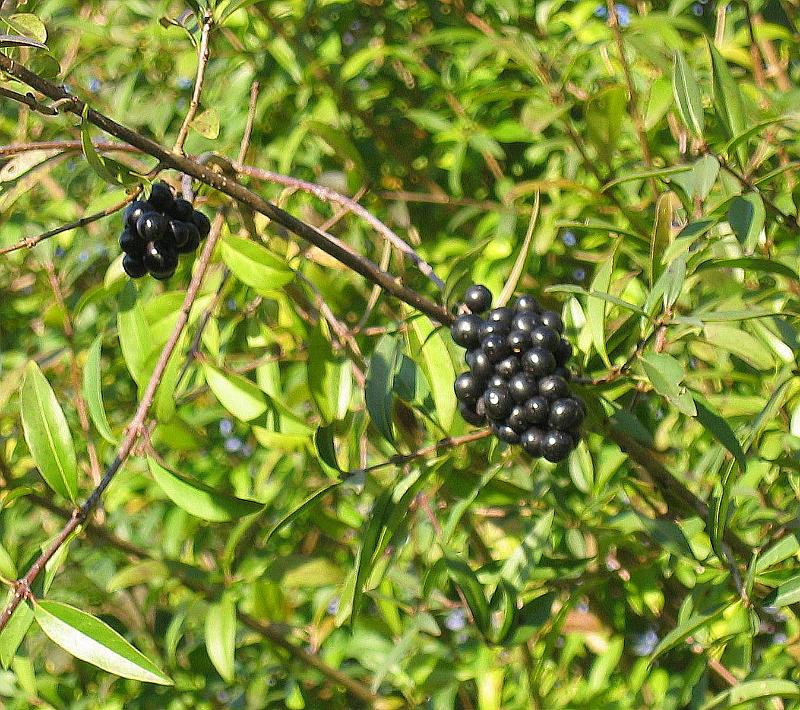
pixel 496 380
pixel 495 347
pixel 465 331
pixel 526 303
pixel 556 445
pixel 538 361
pixel 522 387
pixel 468 414
pixel 202 223
pixel 519 341
pixel 492 328
pixel 552 320
pixel 467 387
pixel 478 298
pixel 193 242
pixel 161 196
pixel 526 320
pixel 181 209
pixel 531 440
pixel 507 367
pixel 505 433
pixel 546 337
pixel 480 365
pixel 133 266
pixel 566 414
pixel 553 387
pixel 537 410
pixel 179 232
pixel 518 419
pixel 151 226
pixel 131 243
pixel 498 402
pixel 161 259
pixel 500 315
pixel 135 210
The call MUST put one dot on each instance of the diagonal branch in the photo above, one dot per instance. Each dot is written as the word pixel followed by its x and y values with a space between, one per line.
pixel 202 63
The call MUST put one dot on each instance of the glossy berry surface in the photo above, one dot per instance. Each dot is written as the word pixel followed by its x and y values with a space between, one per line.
pixel 135 210
pixel 467 387
pixel 553 387
pixel 505 433
pixel 470 415
pixel 556 445
pixel 161 259
pixel 495 347
pixel 519 341
pixel 133 266
pixel 537 410
pixel 202 223
pixel 508 367
pixel 131 243
pixel 181 209
pixel 531 441
pixel 498 402
pixel 478 298
pixel 539 361
pixel 161 196
pixel 552 320
pixel 500 315
pixel 480 365
pixel 545 337
pixel 517 419
pixel 151 226
pixel 566 414
pixel 522 387
pixel 526 321
pixel 465 331
pixel 526 303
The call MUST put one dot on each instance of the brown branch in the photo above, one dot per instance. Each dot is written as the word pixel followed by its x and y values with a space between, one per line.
pixel 22 588
pixel 235 190
pixel 202 62
pixel 65 146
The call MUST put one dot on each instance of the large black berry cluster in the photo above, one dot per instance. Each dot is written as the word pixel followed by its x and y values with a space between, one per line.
pixel 159 229
pixel 517 377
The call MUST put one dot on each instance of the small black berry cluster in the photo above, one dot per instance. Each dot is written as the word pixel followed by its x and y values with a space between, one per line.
pixel 157 231
pixel 517 378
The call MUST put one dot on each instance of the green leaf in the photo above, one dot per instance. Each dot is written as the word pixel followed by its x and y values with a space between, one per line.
pixel 330 378
pixel 378 387
pixel 95 642
pixel 200 500
pixel 522 257
pixel 751 263
pixel 645 174
pixel 220 633
pixel 687 96
pixel 27 25
pixel 93 391
pixel 750 690
pixel 254 265
pixel 530 619
pixel 236 393
pixel 466 580
pixel 662 233
pixel 297 512
pixel 604 117
pixel 682 631
pixel 135 338
pixel 207 124
pixel 720 430
pixel 19 41
pixel 14 632
pixel 596 307
pixel 746 215
pixel 740 343
pixel 666 375
pixel 727 99
pixel 785 594
pixel 428 345
pixel 326 448
pixel 111 171
pixel 47 433
pixel 784 548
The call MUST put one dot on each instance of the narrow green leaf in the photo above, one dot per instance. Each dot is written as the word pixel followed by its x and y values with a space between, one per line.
pixel 662 233
pixel 746 215
pixel 378 387
pixel 47 433
pixel 135 338
pixel 93 391
pixel 740 343
pixel 207 124
pixel 522 257
pixel 330 378
pixel 530 619
pixel 751 263
pixel 95 642
pixel 109 170
pixel 466 580
pixel 605 112
pixel 683 630
pixel 295 513
pixel 727 99
pixel 201 500
pixel 326 448
pixel 236 393
pixel 14 632
pixel 784 595
pixel 666 375
pixel 687 96
pixel 776 553
pixel 26 24
pixel 720 430
pixel 428 345
pixel 253 264
pixel 220 633
pixel 596 307
pixel 645 174
pixel 750 690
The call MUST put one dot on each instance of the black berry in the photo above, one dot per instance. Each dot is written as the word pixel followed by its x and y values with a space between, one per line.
pixel 478 298
pixel 507 367
pixel 531 440
pixel 526 303
pixel 538 361
pixel 151 226
pixel 500 315
pixel 131 243
pixel 552 320
pixel 161 259
pixel 519 341
pixel 496 380
pixel 537 410
pixel 553 387
pixel 161 196
pixel 133 266
pixel 181 209
pixel 495 347
pixel 518 419
pixel 527 321
pixel 563 352
pixel 492 328
pixel 505 433
pixel 135 210
pixel 480 365
pixel 546 337
pixel 466 331
pixel 193 242
pixel 468 414
pixel 522 387
pixel 467 387
pixel 202 223
pixel 566 414
pixel 556 445
pixel 179 232
pixel 498 402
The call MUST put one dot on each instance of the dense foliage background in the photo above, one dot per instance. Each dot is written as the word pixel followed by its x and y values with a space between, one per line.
pixel 657 568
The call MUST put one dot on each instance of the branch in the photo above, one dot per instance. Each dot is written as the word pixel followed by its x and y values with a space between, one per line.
pixel 235 190
pixel 202 63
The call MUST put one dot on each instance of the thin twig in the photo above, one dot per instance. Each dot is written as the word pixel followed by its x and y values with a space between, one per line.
pixel 65 146
pixel 248 126
pixel 326 194
pixel 202 62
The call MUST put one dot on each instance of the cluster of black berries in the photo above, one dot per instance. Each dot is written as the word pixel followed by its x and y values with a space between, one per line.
pixel 517 379
pixel 157 231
